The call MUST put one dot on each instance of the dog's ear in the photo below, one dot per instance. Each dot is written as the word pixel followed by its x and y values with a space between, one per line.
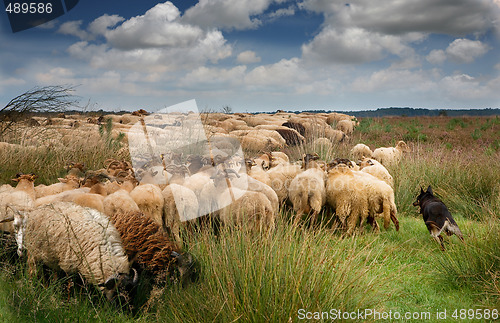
pixel 421 190
pixel 429 190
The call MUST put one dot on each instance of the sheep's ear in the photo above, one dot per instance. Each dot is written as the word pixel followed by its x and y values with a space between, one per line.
pixel 62 180
pixel 429 190
pixel 370 162
pixel 9 219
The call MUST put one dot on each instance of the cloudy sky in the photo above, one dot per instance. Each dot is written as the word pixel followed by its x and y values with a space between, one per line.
pixel 263 55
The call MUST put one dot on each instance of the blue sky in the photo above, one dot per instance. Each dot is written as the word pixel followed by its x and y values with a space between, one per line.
pixel 263 55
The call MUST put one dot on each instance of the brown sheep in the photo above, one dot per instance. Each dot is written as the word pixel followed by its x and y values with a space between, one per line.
pixel 145 242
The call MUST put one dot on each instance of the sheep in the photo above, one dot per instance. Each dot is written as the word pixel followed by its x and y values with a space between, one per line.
pixel 391 155
pixel 307 190
pixel 346 196
pixel 145 242
pixel 70 182
pixel 25 183
pixel 80 196
pixel 119 202
pixel 346 126
pixel 180 205
pixel 373 167
pixel 361 150
pixel 280 177
pixel 292 137
pixel 250 210
pixel 75 239
pixel 380 198
pixel 150 201
pixel 257 172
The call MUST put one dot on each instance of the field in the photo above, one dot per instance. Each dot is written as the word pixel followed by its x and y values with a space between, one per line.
pixel 299 272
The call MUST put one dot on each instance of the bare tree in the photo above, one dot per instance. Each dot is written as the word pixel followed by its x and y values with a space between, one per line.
pixel 54 98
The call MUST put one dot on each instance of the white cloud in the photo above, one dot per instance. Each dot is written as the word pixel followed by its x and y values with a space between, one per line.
pixel 282 12
pixel 460 51
pixel 463 87
pixel 281 74
pixel 226 14
pixel 391 80
pixel 56 75
pixel 248 57
pixel 154 42
pixel 73 28
pixel 214 76
pixel 465 50
pixel 352 46
pixel 158 27
pixel 100 25
pixel 436 56
pixel 399 17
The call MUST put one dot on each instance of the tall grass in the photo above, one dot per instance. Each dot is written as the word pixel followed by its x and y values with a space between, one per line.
pixel 269 277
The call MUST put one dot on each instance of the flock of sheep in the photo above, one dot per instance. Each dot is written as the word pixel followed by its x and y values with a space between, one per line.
pixel 105 223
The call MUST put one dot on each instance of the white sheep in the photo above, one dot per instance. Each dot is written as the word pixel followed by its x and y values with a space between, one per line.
pixel 390 155
pixel 75 239
pixel 21 197
pixel 67 183
pixel 180 205
pixel 380 198
pixel 361 150
pixel 119 202
pixel 373 167
pixel 346 126
pixel 346 196
pixel 307 190
pixel 150 201
pixel 281 176
pixel 250 210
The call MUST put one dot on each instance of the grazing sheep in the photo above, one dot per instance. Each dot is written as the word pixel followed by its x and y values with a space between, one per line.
pixel 292 137
pixel 119 202
pixel 391 155
pixel 346 126
pixel 361 150
pixel 346 196
pixel 145 242
pixel 380 197
pixel 280 177
pixel 257 172
pixel 75 239
pixel 373 167
pixel 307 190
pixel 150 201
pixel 180 205
pixel 251 210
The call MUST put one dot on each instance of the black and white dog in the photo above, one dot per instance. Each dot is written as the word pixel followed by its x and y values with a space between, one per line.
pixel 437 218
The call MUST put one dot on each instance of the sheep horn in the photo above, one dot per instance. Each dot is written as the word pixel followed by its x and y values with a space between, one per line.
pixel 135 280
pixel 175 254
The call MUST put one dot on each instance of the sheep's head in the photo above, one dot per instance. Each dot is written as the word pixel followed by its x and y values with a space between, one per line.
pixel 403 147
pixel 120 286
pixel 185 268
pixel 29 177
pixel 365 162
pixel 19 226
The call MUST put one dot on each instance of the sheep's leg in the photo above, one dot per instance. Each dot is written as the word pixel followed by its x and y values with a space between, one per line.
pixel 387 214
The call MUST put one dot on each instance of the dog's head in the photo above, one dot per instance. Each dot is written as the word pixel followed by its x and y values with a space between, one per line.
pixel 423 194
